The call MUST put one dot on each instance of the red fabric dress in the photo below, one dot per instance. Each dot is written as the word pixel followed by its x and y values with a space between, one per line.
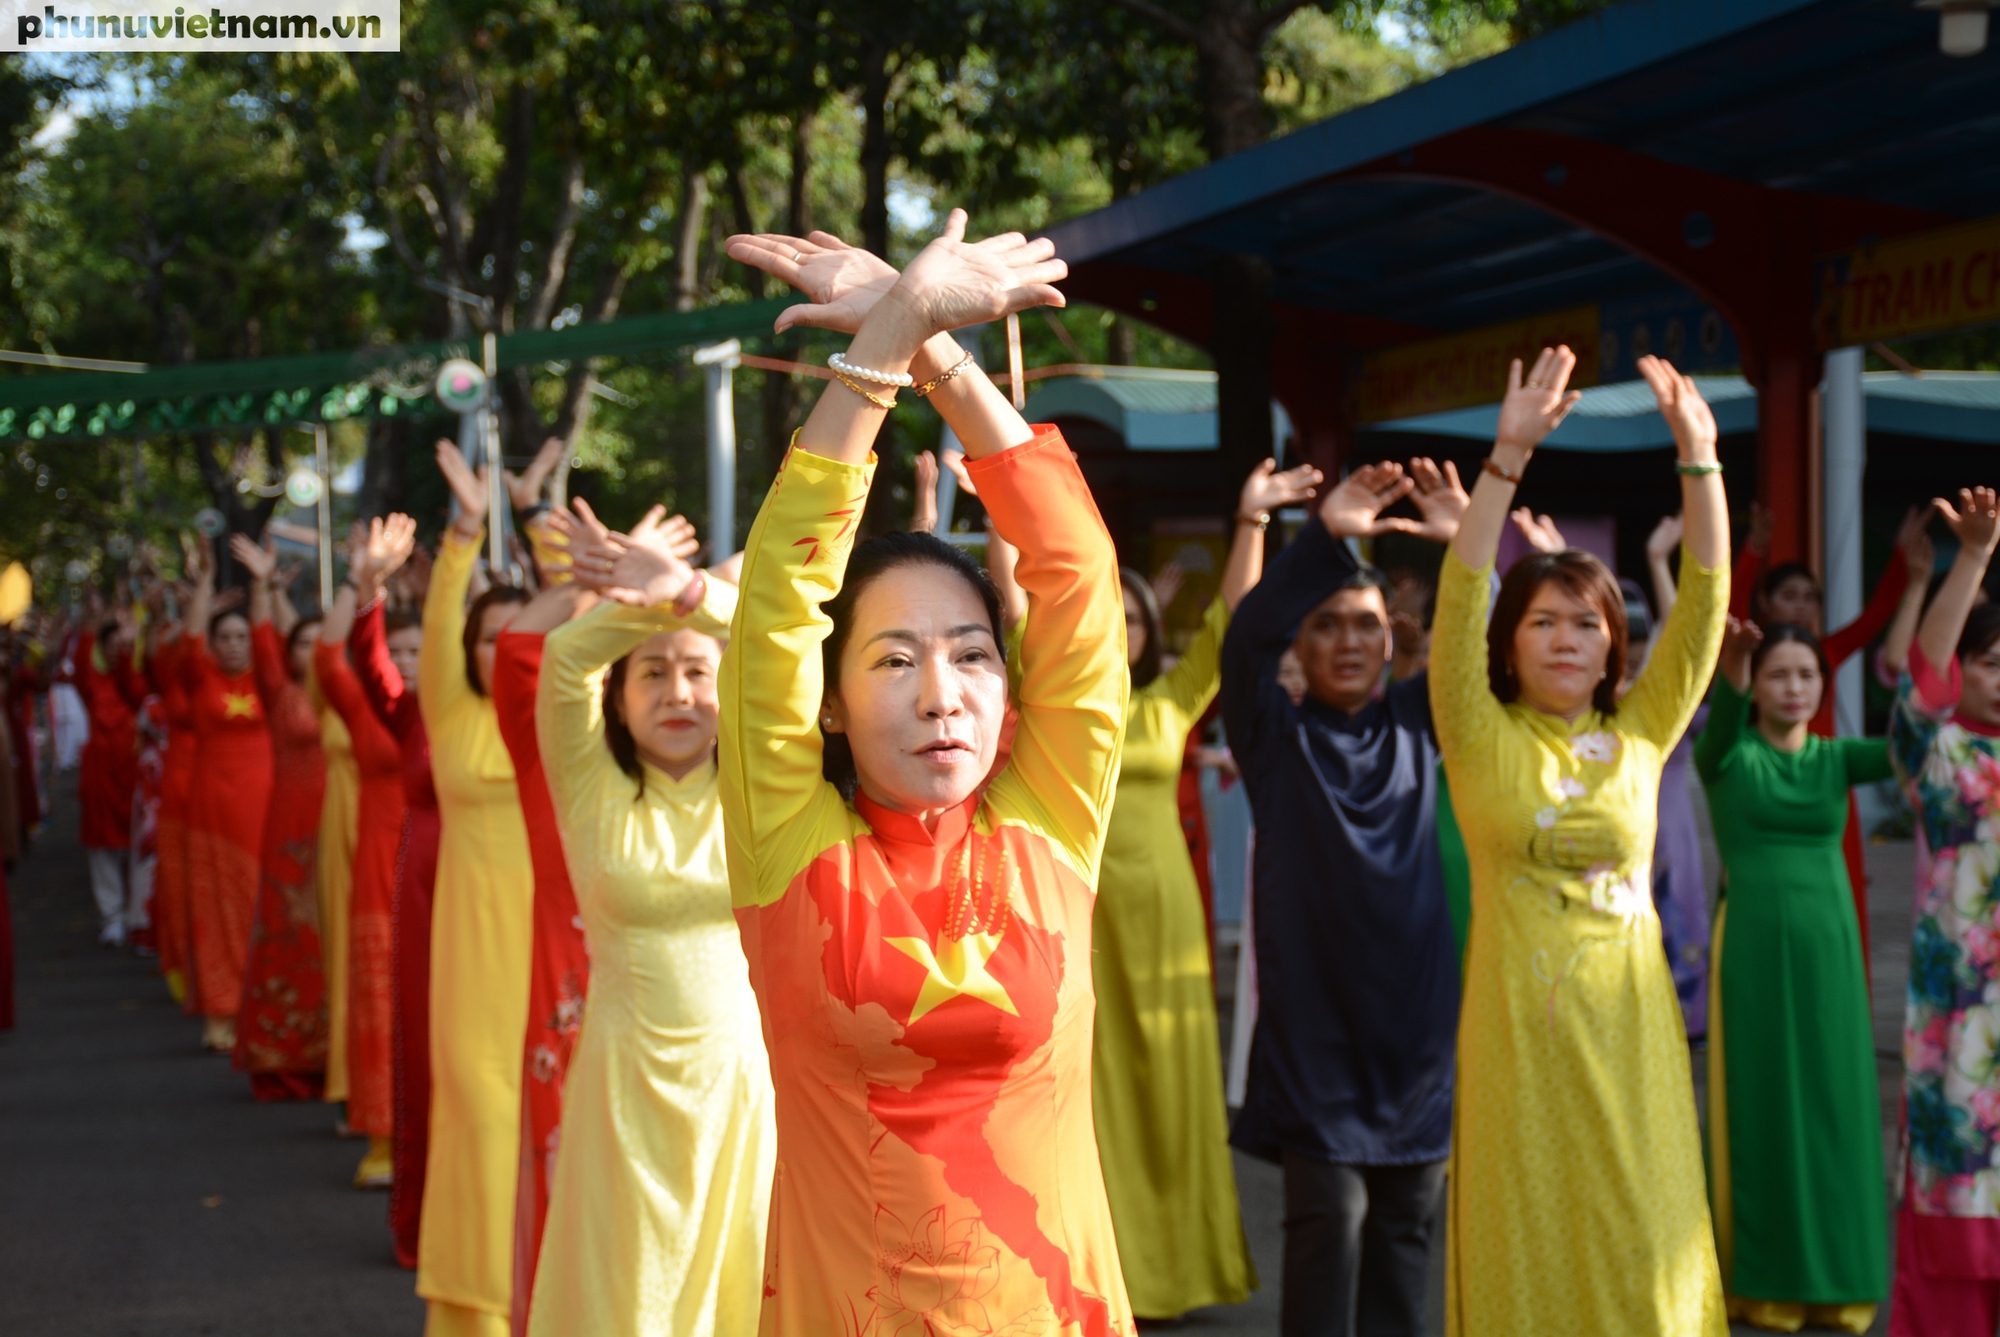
pixel 281 1032
pixel 1839 647
pixel 21 714
pixel 170 897
pixel 225 823
pixel 559 970
pixel 410 912
pixel 371 991
pixel 109 770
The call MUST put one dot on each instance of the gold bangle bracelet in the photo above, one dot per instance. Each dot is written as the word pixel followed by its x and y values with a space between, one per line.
pixel 882 402
pixel 950 373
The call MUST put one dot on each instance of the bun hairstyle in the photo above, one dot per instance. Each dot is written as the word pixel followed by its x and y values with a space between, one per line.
pixel 865 565
pixel 1582 576
pixel 475 618
pixel 1141 590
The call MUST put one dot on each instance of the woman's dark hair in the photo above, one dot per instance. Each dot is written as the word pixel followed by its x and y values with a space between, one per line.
pixel 1582 576
pixel 1982 629
pixel 1778 575
pixel 617 734
pixel 1788 633
pixel 475 617
pixel 868 562
pixel 1141 590
pixel 215 623
pixel 299 629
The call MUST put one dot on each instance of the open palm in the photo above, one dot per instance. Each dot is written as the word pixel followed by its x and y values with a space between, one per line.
pixel 952 284
pixel 1353 508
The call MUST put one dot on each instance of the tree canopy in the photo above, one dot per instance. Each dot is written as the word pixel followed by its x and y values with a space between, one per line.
pixel 537 165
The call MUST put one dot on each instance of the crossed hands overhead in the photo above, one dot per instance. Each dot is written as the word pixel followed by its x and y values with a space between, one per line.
pixel 1353 507
pixel 645 567
pixel 951 283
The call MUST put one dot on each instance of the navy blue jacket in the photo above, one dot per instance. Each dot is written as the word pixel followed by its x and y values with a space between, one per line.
pixel 1357 976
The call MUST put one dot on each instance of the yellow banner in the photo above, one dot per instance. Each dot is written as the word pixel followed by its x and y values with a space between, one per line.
pixel 1911 285
pixel 1471 368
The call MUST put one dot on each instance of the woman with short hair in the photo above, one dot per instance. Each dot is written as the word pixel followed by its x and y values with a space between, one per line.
pixel 1576 1201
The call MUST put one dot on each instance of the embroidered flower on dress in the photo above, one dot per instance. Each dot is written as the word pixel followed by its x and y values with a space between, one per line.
pixel 1623 897
pixel 569 1014
pixel 1597 745
pixel 543 1068
pixel 1546 819
pixel 938 1272
pixel 1570 787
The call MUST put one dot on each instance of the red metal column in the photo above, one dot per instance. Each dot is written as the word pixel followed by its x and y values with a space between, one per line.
pixel 1784 444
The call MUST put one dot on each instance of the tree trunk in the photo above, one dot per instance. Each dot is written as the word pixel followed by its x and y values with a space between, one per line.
pixel 739 204
pixel 382 483
pixel 781 393
pixel 1242 348
pixel 875 155
pixel 1232 75
pixel 687 251
pixel 798 202
pixel 1121 343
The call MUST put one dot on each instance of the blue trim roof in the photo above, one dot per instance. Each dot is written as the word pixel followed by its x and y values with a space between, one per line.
pixel 1842 97
pixel 1618 41
pixel 1939 405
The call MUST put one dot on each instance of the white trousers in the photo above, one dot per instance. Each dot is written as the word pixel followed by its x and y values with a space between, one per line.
pixel 138 912
pixel 107 888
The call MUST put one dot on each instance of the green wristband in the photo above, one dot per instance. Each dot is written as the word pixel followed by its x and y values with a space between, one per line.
pixel 1697 469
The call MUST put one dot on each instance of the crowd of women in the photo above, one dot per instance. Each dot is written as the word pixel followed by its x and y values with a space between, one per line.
pixel 806 943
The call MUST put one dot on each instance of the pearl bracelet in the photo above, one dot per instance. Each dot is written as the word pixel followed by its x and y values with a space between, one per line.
pixel 900 379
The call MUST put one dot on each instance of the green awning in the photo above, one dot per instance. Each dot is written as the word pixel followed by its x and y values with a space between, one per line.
pixel 327 387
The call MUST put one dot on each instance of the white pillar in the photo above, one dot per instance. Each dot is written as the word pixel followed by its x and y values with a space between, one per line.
pixel 720 362
pixel 1845 461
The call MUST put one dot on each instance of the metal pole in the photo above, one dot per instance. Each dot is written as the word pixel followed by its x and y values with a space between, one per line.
pixel 1846 460
pixel 719 362
pixel 496 484
pixel 325 518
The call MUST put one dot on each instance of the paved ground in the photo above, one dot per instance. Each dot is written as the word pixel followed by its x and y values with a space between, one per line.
pixel 143 1193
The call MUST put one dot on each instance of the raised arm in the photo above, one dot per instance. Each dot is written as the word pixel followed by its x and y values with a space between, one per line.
pixel 1072 671
pixel 1730 712
pixel 1660 547
pixel 1976 523
pixel 1001 556
pixel 1898 596
pixel 267 656
pixel 1678 669
pixel 1264 491
pixel 1750 560
pixel 441 680
pixel 262 564
pixel 1920 556
pixel 774 795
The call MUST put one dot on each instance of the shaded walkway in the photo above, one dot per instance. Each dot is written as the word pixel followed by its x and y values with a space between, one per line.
pixel 142 1192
